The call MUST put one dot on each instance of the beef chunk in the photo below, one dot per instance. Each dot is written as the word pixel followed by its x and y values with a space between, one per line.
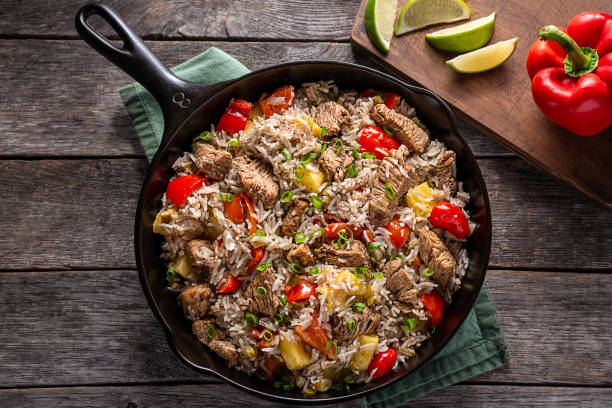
pixel 356 255
pixel 391 267
pixel 224 349
pixel 404 130
pixel 302 255
pixel 334 165
pixel 258 180
pixel 399 280
pixel 399 283
pixel 214 163
pixel 444 172
pixel 195 301
pixel 436 256
pixel 400 177
pixel 293 218
pixel 332 116
pixel 200 253
pixel 408 297
pixel 366 322
pixel 262 303
pixel 455 248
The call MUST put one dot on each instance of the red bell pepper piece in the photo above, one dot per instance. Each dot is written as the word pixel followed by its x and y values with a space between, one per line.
pixel 331 231
pixel 369 93
pixel 231 284
pixel 251 211
pixel 234 210
pixel 434 304
pixel 272 365
pixel 316 336
pixel 571 73
pixel 302 290
pixel 235 117
pixel 256 257
pixel 398 233
pixel 392 100
pixel 262 342
pixel 181 187
pixel 280 100
pixel 450 218
pixel 382 362
pixel 374 140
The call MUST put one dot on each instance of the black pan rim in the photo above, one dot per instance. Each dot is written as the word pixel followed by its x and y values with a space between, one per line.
pixel 279 397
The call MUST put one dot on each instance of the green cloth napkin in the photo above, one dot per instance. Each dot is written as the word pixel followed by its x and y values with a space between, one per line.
pixel 478 345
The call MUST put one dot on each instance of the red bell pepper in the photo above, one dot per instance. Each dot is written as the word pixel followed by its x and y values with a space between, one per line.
pixel 332 230
pixel 382 362
pixel 181 187
pixel 398 233
pixel 392 100
pixel 316 336
pixel 272 365
pixel 434 304
pixel 450 218
pixel 251 211
pixel 369 93
pixel 262 342
pixel 571 73
pixel 256 257
pixel 374 140
pixel 235 117
pixel 302 290
pixel 234 210
pixel 280 100
pixel 231 284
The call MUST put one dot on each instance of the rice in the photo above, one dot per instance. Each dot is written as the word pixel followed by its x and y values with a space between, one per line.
pixel 348 199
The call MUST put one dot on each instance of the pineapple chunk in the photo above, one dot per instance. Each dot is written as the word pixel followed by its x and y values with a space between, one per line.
pixel 313 179
pixel 357 287
pixel 316 129
pixel 181 266
pixel 294 354
pixel 255 112
pixel 163 217
pixel 367 346
pixel 420 199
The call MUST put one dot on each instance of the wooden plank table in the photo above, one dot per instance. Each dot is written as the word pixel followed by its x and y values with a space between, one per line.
pixel 75 329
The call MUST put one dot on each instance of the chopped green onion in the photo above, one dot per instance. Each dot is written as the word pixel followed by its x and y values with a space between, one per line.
pixel 234 143
pixel 278 317
pixel 427 272
pixel 377 99
pixel 287 387
pixel 307 158
pixel 262 291
pixel 350 381
pixel 286 154
pixel 352 324
pixel 314 232
pixel 282 298
pixel 170 274
pixel 398 255
pixel 373 245
pixel 361 271
pixel 286 196
pixel 205 136
pixel 278 384
pixel 338 146
pixel 356 149
pixel 323 147
pixel 433 330
pixel 339 387
pixel 251 320
pixel 379 275
pixel 368 155
pixel 296 267
pixel 351 171
pixel 389 191
pixel 331 343
pixel 263 266
pixel 343 236
pixel 387 130
pixel 358 307
pixel 210 332
pixel 410 324
pixel 260 233
pixel 226 196
pixel 300 172
pixel 317 202
pixel 313 270
pixel 300 237
pixel 323 131
pixel 267 335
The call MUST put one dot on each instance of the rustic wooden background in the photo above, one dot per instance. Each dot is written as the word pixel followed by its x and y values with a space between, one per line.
pixel 75 329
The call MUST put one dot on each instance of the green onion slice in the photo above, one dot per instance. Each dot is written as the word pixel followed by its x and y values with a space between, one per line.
pixel 296 267
pixel 427 272
pixel 300 171
pixel 351 171
pixel 338 146
pixel 205 136
pixel 368 155
pixel 278 384
pixel 362 271
pixel 226 196
pixel 342 234
pixel 358 307
pixel 260 233
pixel 323 131
pixel 300 237
pixel 389 191
pixel 287 387
pixel 331 343
pixel 210 332
pixel 278 317
pixel 379 275
pixel 286 154
pixel 263 266
pixel 282 298
pixel 170 274
pixel 251 320
pixel 323 147
pixel 262 291
pixel 373 245
pixel 313 270
pixel 352 324
pixel 234 143
pixel 387 130
pixel 410 324
pixel 312 234
pixel 307 158
pixel 398 255
pixel 317 202
pixel 267 334
pixel 433 330
pixel 356 149
pixel 286 196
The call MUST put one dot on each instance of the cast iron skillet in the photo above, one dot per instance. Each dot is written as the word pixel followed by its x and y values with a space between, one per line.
pixel 190 108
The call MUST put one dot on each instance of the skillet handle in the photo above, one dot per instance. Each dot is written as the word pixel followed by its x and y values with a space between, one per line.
pixel 176 97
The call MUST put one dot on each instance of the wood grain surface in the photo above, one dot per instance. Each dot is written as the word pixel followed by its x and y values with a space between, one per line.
pixel 499 102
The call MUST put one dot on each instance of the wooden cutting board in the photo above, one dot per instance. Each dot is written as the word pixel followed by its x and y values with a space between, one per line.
pixel 499 102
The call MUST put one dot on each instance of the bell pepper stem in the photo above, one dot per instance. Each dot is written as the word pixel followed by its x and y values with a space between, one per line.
pixel 579 60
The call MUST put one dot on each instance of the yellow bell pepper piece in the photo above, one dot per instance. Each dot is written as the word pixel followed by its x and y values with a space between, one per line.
pixel 420 199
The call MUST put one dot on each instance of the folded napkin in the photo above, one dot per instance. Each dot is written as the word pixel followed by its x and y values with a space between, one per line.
pixel 478 345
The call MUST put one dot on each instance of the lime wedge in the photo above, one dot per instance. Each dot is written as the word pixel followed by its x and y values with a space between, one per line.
pixel 421 13
pixel 379 19
pixel 465 37
pixel 483 59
